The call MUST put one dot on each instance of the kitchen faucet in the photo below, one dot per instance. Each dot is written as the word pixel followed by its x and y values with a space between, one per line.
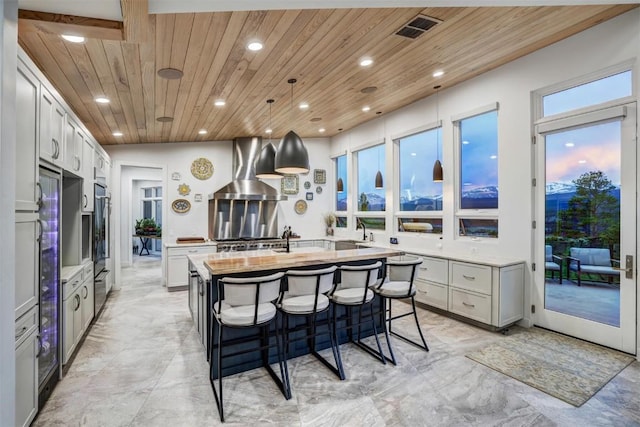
pixel 286 235
pixel 359 224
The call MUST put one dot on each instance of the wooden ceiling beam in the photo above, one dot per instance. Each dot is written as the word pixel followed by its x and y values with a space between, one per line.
pixel 58 24
pixel 135 14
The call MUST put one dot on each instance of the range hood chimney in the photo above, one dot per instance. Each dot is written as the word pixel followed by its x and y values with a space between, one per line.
pixel 245 185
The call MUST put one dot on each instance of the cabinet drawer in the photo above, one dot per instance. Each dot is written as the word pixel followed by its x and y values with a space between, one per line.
pixel 26 324
pixel 434 270
pixel 433 294
pixel 191 250
pixel 70 286
pixel 87 271
pixel 471 305
pixel 471 277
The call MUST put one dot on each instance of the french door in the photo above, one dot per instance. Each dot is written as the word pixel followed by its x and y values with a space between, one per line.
pixel 585 244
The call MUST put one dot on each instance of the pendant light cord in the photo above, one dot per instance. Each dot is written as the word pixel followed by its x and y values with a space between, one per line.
pixel 291 82
pixel 437 88
pixel 270 101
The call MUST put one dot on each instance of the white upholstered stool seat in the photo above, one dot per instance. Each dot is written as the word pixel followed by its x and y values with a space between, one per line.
pixel 351 296
pixel 396 288
pixel 243 315
pixel 303 304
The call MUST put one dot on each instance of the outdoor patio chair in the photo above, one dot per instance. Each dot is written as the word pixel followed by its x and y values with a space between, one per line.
pixel 592 261
pixel 552 262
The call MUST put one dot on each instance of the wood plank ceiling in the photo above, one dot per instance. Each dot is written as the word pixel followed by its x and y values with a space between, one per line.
pixel 320 48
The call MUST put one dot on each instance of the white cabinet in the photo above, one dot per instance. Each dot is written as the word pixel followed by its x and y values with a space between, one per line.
pixel 432 282
pixel 177 266
pixel 101 165
pixel 88 175
pixel 27 374
pixel 77 307
pixel 73 147
pixel 27 281
pixel 52 123
pixel 27 193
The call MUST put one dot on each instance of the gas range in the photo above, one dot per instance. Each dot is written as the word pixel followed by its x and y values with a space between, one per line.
pixel 250 244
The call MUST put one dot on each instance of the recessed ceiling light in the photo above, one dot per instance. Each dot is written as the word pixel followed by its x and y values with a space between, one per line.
pixel 202 132
pixel 366 108
pixel 255 46
pixel 304 105
pixel 465 142
pixel 268 131
pixel 102 100
pixel 219 103
pixel 582 162
pixel 438 73
pixel 73 39
pixel 170 73
pixel 569 144
pixel 493 156
pixel 117 133
pixel 321 130
pixel 365 62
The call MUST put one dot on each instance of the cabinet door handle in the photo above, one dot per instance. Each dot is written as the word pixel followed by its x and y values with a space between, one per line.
pixel 22 331
pixel 86 291
pixel 41 228
pixel 39 346
pixel 39 202
pixel 193 251
pixel 77 298
pixel 468 305
pixel 79 162
pixel 56 148
pixel 469 277
pixel 86 200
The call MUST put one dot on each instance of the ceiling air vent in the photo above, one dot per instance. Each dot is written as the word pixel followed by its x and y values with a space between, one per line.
pixel 417 26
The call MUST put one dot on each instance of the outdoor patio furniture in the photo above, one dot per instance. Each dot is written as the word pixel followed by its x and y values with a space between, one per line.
pixel 552 262
pixel 592 261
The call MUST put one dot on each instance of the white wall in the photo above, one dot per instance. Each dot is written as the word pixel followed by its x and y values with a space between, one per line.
pixel 610 43
pixel 178 158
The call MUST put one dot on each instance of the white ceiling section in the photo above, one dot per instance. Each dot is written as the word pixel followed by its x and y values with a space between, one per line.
pixel 102 9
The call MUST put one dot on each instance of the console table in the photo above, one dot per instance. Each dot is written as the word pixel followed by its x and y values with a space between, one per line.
pixel 144 241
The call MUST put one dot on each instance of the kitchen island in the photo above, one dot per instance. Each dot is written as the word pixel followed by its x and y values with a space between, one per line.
pixel 203 289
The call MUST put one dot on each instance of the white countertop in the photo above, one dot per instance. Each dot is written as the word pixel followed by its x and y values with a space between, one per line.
pixel 185 245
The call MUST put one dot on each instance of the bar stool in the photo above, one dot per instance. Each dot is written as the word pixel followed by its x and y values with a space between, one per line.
pixel 399 285
pixel 354 291
pixel 306 296
pixel 246 303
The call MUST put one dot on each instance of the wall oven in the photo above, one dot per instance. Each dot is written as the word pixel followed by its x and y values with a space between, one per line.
pixel 100 242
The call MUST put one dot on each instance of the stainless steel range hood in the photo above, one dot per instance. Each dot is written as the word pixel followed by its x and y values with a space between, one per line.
pixel 245 207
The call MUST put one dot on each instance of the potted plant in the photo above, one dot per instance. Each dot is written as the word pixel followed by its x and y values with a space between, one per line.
pixel 147 226
pixel 329 220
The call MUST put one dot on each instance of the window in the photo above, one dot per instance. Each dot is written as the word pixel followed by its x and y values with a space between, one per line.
pixel 152 208
pixel 475 227
pixel 341 222
pixel 370 162
pixel 418 192
pixel 341 177
pixel 372 223
pixel 479 161
pixel 587 94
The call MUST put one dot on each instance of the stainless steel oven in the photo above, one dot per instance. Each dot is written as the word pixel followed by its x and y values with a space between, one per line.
pixel 100 242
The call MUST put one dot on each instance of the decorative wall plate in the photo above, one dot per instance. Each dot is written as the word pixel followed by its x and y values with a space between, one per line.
pixel 175 176
pixel 307 185
pixel 202 168
pixel 318 189
pixel 319 176
pixel 289 184
pixel 181 205
pixel 309 196
pixel 184 189
pixel 300 207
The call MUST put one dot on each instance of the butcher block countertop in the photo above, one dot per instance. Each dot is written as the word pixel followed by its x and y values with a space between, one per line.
pixel 253 261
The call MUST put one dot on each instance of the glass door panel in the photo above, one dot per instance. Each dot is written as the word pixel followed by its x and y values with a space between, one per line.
pixel 588 204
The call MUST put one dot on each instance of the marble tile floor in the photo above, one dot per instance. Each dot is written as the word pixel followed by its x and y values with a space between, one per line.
pixel 142 365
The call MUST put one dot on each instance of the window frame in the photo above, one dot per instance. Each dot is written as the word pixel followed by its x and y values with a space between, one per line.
pixel 356 194
pixel 397 213
pixel 462 214
pixel 334 158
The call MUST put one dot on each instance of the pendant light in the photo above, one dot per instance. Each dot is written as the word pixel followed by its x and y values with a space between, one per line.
pixel 292 156
pixel 265 163
pixel 437 166
pixel 340 186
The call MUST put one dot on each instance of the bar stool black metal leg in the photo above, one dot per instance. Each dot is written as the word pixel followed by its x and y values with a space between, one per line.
pixel 386 301
pixel 334 344
pixel 415 316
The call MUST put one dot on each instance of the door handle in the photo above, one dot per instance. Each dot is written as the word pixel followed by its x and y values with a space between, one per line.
pixel 628 267
pixel 86 200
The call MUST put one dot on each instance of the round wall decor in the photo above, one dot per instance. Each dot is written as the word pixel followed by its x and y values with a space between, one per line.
pixel 300 207
pixel 184 189
pixel 202 168
pixel 181 205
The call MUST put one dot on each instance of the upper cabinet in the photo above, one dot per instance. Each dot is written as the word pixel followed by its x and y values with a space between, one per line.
pixel 27 192
pixel 87 173
pixel 73 145
pixel 52 125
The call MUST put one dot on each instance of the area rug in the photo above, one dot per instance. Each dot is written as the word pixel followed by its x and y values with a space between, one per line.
pixel 567 368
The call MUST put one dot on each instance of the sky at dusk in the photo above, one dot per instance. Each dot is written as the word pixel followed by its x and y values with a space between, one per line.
pixel 479 151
